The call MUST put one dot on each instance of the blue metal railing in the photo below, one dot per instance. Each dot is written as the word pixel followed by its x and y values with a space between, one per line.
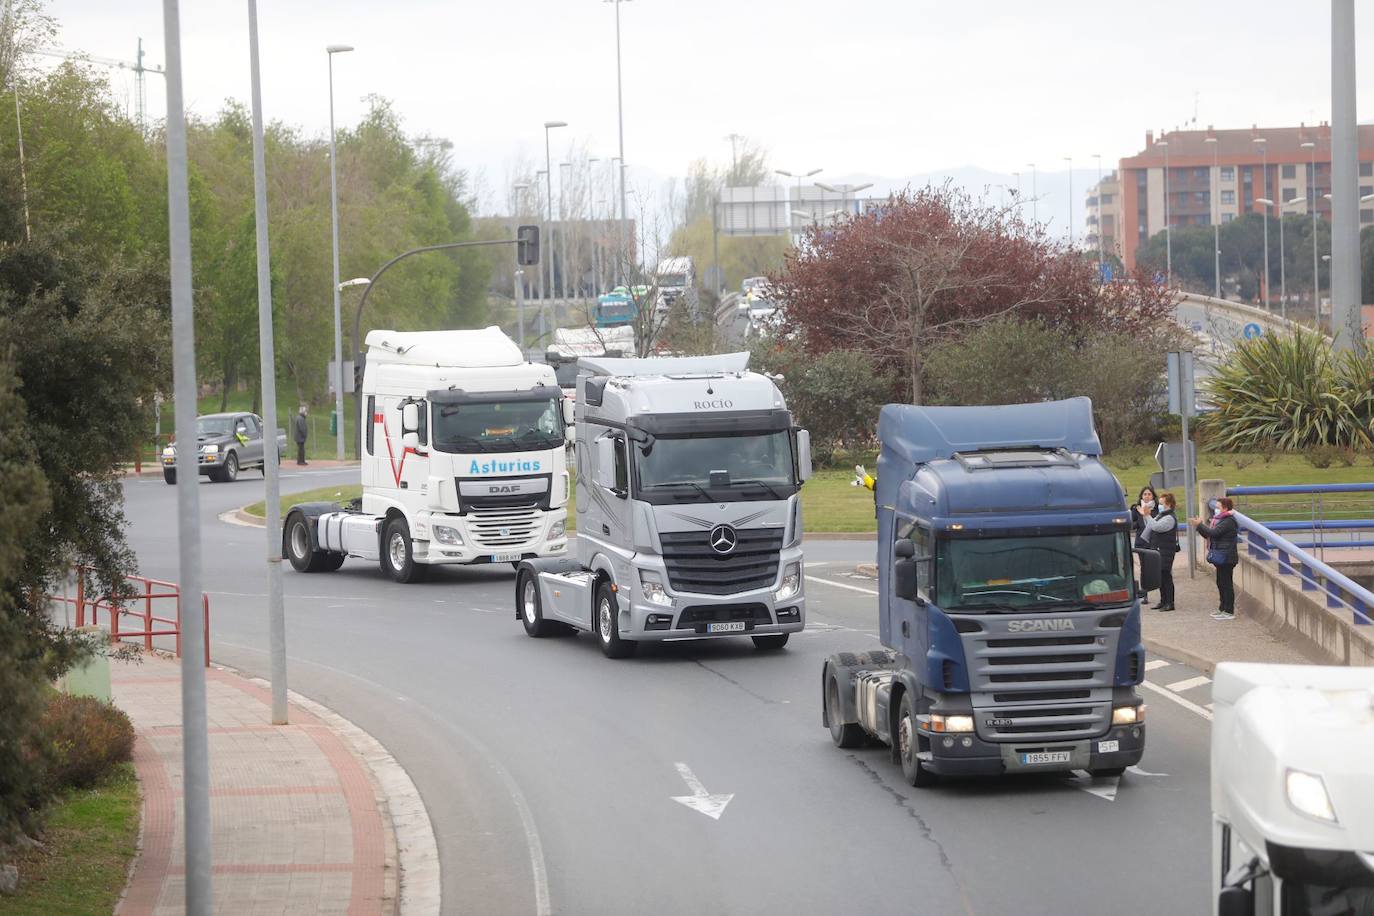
pixel 1286 509
pixel 1313 575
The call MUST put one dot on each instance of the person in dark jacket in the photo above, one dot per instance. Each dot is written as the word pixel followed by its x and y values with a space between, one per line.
pixel 1222 534
pixel 1163 537
pixel 300 430
pixel 1145 507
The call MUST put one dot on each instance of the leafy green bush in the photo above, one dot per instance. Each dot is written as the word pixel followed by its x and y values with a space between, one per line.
pixel 1321 457
pixel 1289 391
pixel 84 738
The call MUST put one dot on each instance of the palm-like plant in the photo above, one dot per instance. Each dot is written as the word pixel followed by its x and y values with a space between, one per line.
pixel 1288 391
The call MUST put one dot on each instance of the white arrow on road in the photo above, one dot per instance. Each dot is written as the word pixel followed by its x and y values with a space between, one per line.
pixel 713 806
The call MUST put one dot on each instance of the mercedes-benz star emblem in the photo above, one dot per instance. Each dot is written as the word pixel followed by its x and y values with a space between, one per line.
pixel 723 539
pixel 505 532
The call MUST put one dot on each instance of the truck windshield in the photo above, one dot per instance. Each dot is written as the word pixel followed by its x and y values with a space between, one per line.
pixel 1053 572
pixel 672 280
pixel 716 468
pixel 498 426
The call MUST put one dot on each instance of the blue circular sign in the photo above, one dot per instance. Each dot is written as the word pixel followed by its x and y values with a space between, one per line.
pixel 1252 330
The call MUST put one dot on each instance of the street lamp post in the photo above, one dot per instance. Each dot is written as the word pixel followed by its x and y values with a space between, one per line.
pixel 845 190
pixel 799 176
pixel 1283 276
pixel 1069 160
pixel 1035 198
pixel 1312 185
pixel 330 51
pixel 545 238
pixel 563 207
pixel 620 116
pixel 548 202
pixel 1216 216
pixel 592 236
pixel 1264 168
pixel 520 188
pixel 1168 231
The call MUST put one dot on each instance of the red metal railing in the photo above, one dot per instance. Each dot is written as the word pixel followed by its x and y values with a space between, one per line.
pixel 140 606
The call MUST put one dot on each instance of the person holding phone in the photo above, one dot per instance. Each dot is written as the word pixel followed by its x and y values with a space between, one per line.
pixel 1163 537
pixel 1222 534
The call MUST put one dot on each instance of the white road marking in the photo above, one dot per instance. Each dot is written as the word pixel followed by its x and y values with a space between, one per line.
pixel 1189 683
pixel 1104 787
pixel 1154 663
pixel 1186 704
pixel 713 806
pixel 1139 772
pixel 852 588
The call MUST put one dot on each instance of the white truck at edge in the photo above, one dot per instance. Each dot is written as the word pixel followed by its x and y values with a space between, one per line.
pixel 1292 804
pixel 463 460
pixel 689 475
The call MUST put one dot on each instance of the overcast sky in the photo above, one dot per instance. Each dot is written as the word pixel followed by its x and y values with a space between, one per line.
pixel 873 87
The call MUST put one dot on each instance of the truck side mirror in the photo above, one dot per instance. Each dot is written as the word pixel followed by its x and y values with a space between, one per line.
pixel 568 411
pixel 410 419
pixel 803 454
pixel 410 440
pixel 1235 901
pixel 605 463
pixel 904 570
pixel 1149 569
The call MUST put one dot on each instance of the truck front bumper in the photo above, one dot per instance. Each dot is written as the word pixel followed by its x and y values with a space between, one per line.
pixel 430 550
pixel 969 755
pixel 757 613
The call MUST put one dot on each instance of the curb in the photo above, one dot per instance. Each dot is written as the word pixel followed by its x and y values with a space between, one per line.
pixel 1168 650
pixel 242 519
pixel 413 851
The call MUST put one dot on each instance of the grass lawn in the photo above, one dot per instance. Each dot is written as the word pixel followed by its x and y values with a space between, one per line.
pixel 831 504
pixel 84 862
pixel 319 444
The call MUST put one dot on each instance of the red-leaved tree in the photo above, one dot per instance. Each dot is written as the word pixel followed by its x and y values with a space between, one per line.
pixel 929 264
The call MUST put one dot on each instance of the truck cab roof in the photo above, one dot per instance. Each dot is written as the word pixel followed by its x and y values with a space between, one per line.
pixel 682 394
pixel 474 349
pixel 1313 719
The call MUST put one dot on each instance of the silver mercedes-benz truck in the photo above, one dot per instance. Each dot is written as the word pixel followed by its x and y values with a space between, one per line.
pixel 688 475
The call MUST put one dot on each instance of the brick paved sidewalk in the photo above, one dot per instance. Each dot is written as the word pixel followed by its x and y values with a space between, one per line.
pixel 296 819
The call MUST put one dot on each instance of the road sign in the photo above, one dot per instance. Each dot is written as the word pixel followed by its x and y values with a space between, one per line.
pixel 1169 456
pixel 1252 330
pixel 1105 270
pixel 1182 398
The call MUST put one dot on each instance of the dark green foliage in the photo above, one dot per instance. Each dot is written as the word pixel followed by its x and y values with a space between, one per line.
pixel 83 739
pixel 1291 392
pixel 836 395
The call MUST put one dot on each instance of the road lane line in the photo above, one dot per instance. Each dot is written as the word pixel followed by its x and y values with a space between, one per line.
pixel 1189 683
pixel 852 588
pixel 1186 704
pixel 1154 663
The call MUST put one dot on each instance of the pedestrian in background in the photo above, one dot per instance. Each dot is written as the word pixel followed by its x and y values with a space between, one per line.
pixel 1144 508
pixel 300 432
pixel 1221 535
pixel 1163 537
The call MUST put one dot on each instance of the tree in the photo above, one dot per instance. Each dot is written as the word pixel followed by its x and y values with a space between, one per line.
pixel 932 264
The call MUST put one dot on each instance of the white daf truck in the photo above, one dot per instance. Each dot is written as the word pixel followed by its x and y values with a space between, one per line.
pixel 689 472
pixel 1292 804
pixel 463 460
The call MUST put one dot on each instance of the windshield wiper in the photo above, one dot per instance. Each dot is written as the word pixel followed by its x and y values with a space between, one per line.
pixel 683 483
pixel 767 486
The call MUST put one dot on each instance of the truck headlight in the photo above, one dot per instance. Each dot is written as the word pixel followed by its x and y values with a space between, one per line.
pixel 1128 715
pixel 446 535
pixel 558 528
pixel 653 588
pixel 1307 793
pixel 210 449
pixel 791 583
pixel 941 723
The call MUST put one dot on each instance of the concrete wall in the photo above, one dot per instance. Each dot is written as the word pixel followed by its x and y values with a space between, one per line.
pixel 1294 615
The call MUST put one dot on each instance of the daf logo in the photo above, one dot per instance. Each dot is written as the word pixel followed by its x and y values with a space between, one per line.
pixel 723 539
pixel 1038 626
pixel 503 489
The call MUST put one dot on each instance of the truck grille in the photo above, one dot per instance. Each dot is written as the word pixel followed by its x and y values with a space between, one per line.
pixel 503 529
pixel 1050 687
pixel 694 567
pixel 691 617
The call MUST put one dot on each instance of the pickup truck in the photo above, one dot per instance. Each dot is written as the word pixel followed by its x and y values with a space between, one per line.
pixel 228 443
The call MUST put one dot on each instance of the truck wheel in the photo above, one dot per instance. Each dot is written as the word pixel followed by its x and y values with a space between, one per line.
pixel 398 560
pixel 296 546
pixel 844 735
pixel 169 475
pixel 605 620
pixel 770 643
pixel 531 610
pixel 907 745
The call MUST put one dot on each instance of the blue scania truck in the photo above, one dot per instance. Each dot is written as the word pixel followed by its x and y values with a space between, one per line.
pixel 1008 600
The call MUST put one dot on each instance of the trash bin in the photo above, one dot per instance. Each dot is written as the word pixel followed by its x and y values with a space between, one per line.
pixel 334 422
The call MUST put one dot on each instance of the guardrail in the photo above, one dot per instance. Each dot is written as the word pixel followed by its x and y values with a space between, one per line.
pixel 1339 590
pixel 116 609
pixel 1323 510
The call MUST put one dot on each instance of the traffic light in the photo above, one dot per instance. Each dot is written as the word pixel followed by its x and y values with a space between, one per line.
pixel 527 246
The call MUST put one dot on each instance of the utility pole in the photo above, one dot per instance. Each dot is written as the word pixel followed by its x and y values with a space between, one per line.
pixel 1346 325
pixel 271 470
pixel 23 175
pixel 195 750
pixel 620 115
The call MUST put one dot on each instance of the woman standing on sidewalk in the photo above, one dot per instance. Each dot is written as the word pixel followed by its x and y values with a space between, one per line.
pixel 1163 537
pixel 1144 509
pixel 1221 537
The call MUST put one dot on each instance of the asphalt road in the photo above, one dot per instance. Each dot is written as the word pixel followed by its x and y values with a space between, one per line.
pixel 550 772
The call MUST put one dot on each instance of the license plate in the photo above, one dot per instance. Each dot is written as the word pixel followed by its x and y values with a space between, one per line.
pixel 1108 747
pixel 1040 757
pixel 734 626
pixel 507 557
